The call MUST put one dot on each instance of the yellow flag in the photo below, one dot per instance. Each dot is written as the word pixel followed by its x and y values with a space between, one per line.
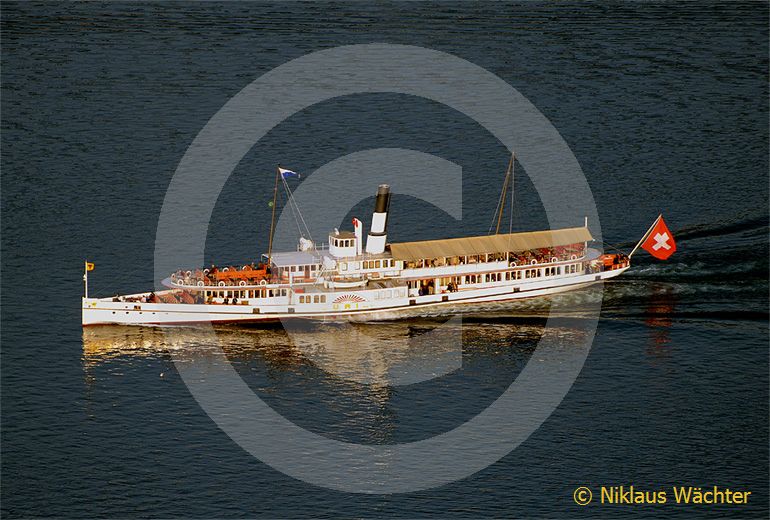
pixel 89 266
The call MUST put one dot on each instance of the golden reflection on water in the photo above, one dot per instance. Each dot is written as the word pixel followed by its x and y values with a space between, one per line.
pixel 327 363
pixel 378 353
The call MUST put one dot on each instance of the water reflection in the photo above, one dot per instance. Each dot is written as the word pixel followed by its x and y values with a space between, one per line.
pixel 658 316
pixel 377 354
pixel 296 385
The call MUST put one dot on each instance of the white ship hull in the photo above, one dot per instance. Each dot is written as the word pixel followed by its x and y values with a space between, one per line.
pixel 353 305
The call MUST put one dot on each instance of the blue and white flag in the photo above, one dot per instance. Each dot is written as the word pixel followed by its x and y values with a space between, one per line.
pixel 287 173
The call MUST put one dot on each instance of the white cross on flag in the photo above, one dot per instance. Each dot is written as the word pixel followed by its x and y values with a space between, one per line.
pixel 660 242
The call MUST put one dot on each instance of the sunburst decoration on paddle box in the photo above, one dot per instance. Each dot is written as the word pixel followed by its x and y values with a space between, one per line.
pixel 349 298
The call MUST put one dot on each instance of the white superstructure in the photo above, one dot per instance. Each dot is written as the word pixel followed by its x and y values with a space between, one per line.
pixel 347 281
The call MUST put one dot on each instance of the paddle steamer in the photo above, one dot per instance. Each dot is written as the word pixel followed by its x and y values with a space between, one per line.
pixel 347 279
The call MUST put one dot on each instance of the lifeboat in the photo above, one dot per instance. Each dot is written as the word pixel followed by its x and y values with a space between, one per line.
pixel 344 284
pixel 613 261
pixel 246 272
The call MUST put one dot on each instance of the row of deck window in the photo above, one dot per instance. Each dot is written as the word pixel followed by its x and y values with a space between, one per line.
pixel 314 298
pixel 540 256
pixel 257 293
pixel 300 268
pixel 385 263
pixel 507 275
pixel 390 293
pixel 552 271
pixel 517 275
pixel 376 264
pixel 343 242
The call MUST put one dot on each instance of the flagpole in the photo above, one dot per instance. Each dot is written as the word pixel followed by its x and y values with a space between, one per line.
pixel 645 235
pixel 85 277
pixel 272 222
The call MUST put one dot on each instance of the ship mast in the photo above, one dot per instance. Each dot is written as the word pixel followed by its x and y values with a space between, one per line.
pixel 501 203
pixel 272 222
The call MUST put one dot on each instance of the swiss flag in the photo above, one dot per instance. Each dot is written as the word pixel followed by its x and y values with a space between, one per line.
pixel 660 242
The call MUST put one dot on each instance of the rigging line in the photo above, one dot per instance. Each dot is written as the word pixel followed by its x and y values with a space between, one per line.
pixel 502 196
pixel 298 212
pixel 616 248
pixel 304 224
pixel 500 201
pixel 291 205
pixel 502 208
pixel 494 217
pixel 510 221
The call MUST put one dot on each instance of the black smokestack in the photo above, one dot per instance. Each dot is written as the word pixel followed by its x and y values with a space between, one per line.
pixel 375 242
pixel 382 203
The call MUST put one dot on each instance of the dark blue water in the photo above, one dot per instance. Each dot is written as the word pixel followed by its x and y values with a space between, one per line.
pixel 665 107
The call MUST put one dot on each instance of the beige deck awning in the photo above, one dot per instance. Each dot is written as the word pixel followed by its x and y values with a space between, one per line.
pixel 489 243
